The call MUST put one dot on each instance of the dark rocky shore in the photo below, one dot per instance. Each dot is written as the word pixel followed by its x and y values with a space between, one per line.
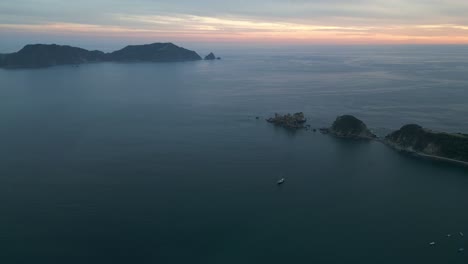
pixel 416 139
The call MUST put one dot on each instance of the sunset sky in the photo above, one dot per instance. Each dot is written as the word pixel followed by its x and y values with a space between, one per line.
pixel 239 22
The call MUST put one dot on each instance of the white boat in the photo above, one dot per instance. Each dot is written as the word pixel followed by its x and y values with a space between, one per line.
pixel 432 243
pixel 281 181
pixel 461 234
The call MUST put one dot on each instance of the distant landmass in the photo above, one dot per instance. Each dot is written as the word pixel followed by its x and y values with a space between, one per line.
pixel 156 52
pixel 39 55
pixel 42 55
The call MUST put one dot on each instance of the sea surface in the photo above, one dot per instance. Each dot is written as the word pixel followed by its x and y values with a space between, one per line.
pixel 167 163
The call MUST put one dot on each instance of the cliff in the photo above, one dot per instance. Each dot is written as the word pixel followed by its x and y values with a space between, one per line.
pixel 41 55
pixel 348 126
pixel 414 138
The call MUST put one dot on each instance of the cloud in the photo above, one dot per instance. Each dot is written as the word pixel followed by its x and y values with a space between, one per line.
pixel 191 22
pixel 365 21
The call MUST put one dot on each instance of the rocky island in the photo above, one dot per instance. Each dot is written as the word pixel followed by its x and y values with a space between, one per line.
pixel 348 126
pixel 294 121
pixel 211 56
pixel 42 55
pixel 415 139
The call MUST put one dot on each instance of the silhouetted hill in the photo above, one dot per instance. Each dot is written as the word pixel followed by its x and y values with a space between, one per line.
pixel 156 52
pixel 41 55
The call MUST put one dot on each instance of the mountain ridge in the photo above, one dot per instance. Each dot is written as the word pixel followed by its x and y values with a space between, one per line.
pixel 47 55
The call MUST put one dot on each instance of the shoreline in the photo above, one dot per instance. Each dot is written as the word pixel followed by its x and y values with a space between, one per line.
pixel 420 154
pixel 403 150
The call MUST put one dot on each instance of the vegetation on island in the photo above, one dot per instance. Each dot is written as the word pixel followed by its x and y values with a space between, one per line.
pixel 348 126
pixel 415 138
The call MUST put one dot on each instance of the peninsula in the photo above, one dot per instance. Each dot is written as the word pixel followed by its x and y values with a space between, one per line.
pixel 42 55
pixel 416 139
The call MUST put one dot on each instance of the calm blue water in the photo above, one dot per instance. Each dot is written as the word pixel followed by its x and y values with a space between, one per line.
pixel 166 163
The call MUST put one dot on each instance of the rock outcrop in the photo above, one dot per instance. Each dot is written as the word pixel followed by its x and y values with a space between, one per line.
pixel 41 55
pixel 411 138
pixel 414 138
pixel 294 121
pixel 348 126
pixel 210 56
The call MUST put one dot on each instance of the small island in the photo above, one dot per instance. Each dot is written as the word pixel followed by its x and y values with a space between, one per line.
pixel 418 140
pixel 210 56
pixel 348 126
pixel 294 121
pixel 42 55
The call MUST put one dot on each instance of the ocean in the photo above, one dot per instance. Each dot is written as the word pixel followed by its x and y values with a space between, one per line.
pixel 168 163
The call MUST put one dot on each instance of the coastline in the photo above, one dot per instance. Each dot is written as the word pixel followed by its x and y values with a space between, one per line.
pixel 420 154
pixel 393 146
pixel 328 131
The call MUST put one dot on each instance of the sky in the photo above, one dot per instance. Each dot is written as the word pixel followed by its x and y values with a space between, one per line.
pixel 110 23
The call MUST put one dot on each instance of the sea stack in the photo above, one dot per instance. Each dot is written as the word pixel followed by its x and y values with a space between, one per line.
pixel 210 56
